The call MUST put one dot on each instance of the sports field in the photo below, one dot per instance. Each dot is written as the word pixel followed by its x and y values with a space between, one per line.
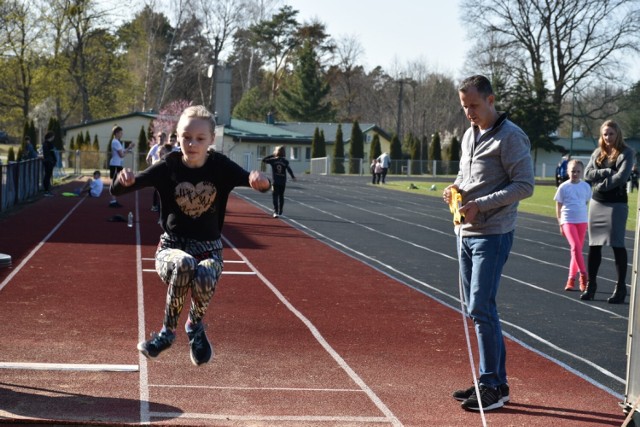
pixel 345 312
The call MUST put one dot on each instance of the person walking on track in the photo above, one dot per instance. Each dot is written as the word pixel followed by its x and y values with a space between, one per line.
pixel 279 168
pixel 194 186
pixel 496 172
pixel 608 171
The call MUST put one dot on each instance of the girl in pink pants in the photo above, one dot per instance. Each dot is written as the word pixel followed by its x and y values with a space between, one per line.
pixel 572 199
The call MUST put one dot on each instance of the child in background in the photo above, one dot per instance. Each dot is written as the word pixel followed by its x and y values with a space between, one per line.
pixel 93 186
pixel 572 199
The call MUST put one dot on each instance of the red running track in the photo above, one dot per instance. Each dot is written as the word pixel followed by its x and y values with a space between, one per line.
pixel 304 335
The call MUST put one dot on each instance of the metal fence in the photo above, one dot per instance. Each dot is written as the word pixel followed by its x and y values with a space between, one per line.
pixel 20 181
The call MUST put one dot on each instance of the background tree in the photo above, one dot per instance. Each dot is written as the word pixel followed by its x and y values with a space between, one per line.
pixel 145 39
pixel 356 148
pixel 435 150
pixel 276 38
pixel 338 152
pixel 143 145
pixel 96 143
pixel 303 98
pixel 253 106
pixel 414 154
pixel 454 150
pixel 376 149
pixel 395 152
pixel 532 109
pixel 316 149
pixel 570 42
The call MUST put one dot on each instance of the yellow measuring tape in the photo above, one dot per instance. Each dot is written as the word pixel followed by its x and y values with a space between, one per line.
pixel 454 206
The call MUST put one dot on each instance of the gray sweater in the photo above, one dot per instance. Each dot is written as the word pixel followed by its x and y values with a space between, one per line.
pixel 496 172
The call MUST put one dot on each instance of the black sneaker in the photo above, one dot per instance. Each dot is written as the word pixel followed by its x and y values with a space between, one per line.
pixel 462 395
pixel 201 350
pixel 489 396
pixel 158 343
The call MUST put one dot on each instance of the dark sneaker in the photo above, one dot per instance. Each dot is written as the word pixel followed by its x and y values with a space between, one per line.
pixel 489 397
pixel 201 350
pixel 158 343
pixel 504 392
pixel 462 395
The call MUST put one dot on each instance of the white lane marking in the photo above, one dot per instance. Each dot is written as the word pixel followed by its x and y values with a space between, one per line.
pixel 273 418
pixel 38 246
pixel 145 417
pixel 390 417
pixel 209 387
pixel 68 367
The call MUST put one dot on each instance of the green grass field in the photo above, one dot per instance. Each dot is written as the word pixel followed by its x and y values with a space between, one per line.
pixel 541 203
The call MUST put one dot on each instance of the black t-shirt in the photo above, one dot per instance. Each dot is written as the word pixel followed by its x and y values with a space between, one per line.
pixel 193 200
pixel 279 167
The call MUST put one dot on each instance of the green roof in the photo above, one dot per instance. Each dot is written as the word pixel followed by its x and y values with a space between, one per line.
pixel 292 131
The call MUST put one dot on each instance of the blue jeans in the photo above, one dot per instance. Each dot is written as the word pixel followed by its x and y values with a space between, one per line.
pixel 481 261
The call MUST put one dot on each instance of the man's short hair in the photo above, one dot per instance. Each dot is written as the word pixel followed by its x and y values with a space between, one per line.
pixel 481 83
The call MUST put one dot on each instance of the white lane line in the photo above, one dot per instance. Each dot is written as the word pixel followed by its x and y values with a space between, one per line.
pixel 145 418
pixel 389 416
pixel 208 387
pixel 225 261
pixel 237 273
pixel 272 418
pixel 68 367
pixel 38 246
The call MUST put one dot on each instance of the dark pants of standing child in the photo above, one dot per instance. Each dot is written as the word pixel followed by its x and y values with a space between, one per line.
pixel 187 264
pixel 278 198
pixel 48 173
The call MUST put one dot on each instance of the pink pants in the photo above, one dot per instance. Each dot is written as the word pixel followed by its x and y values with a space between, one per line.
pixel 575 234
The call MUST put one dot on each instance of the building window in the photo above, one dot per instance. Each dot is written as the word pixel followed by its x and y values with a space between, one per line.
pixel 307 153
pixel 262 151
pixel 294 153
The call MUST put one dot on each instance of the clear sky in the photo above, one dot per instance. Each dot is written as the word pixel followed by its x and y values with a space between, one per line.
pixel 395 31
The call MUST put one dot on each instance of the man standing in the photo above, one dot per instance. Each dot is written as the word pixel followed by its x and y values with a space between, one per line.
pixel 496 172
pixel 385 160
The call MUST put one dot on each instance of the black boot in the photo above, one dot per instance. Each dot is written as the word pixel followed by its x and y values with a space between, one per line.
pixel 619 293
pixel 590 292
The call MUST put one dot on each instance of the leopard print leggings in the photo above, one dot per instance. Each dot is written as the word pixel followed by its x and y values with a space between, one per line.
pixel 187 264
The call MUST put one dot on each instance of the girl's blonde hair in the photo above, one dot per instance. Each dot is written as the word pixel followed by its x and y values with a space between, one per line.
pixel 115 130
pixel 575 162
pixel 199 112
pixel 279 151
pixel 617 146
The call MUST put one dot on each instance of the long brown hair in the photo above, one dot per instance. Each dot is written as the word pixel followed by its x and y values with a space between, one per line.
pixel 616 148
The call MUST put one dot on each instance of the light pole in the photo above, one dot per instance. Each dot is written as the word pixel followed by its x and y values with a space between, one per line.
pixel 213 69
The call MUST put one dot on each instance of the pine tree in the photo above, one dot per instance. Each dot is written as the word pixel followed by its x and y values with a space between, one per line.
pixel 11 155
pixel 415 154
pixel 376 149
pixel 96 143
pixel 338 152
pixel 302 98
pixel 322 146
pixel 395 152
pixel 315 152
pixel 143 145
pixel 454 151
pixel 87 141
pixel 356 148
pixel 72 144
pixel 435 150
